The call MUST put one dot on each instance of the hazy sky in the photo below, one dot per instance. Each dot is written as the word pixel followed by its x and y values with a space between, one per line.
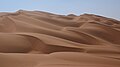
pixel 109 8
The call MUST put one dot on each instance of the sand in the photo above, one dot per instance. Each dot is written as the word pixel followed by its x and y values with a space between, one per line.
pixel 41 39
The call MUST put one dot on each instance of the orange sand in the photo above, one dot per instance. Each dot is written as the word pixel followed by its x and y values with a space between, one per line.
pixel 41 39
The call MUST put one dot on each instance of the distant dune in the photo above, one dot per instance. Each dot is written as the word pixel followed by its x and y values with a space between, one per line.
pixel 41 39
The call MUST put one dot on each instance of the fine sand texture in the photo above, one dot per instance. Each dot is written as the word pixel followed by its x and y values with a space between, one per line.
pixel 41 39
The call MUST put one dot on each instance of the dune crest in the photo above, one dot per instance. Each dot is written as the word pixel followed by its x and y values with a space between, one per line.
pixel 41 39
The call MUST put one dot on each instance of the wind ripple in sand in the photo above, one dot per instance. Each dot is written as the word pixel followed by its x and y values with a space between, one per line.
pixel 41 39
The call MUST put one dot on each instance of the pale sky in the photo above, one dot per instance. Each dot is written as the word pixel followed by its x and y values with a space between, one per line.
pixel 108 8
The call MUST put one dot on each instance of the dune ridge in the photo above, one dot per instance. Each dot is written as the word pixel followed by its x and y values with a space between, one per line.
pixel 41 39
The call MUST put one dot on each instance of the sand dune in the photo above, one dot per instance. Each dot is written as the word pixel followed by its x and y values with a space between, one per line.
pixel 41 39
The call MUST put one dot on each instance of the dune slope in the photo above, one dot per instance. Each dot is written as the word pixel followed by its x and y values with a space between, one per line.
pixel 41 39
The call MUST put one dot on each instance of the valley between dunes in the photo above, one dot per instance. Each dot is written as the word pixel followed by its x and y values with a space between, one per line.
pixel 41 39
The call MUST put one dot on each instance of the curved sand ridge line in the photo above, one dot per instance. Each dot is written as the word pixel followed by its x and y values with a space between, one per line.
pixel 41 39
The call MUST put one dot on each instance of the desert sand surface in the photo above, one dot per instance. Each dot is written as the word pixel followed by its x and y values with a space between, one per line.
pixel 41 39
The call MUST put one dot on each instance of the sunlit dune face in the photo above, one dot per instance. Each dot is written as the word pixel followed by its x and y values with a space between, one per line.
pixel 41 39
